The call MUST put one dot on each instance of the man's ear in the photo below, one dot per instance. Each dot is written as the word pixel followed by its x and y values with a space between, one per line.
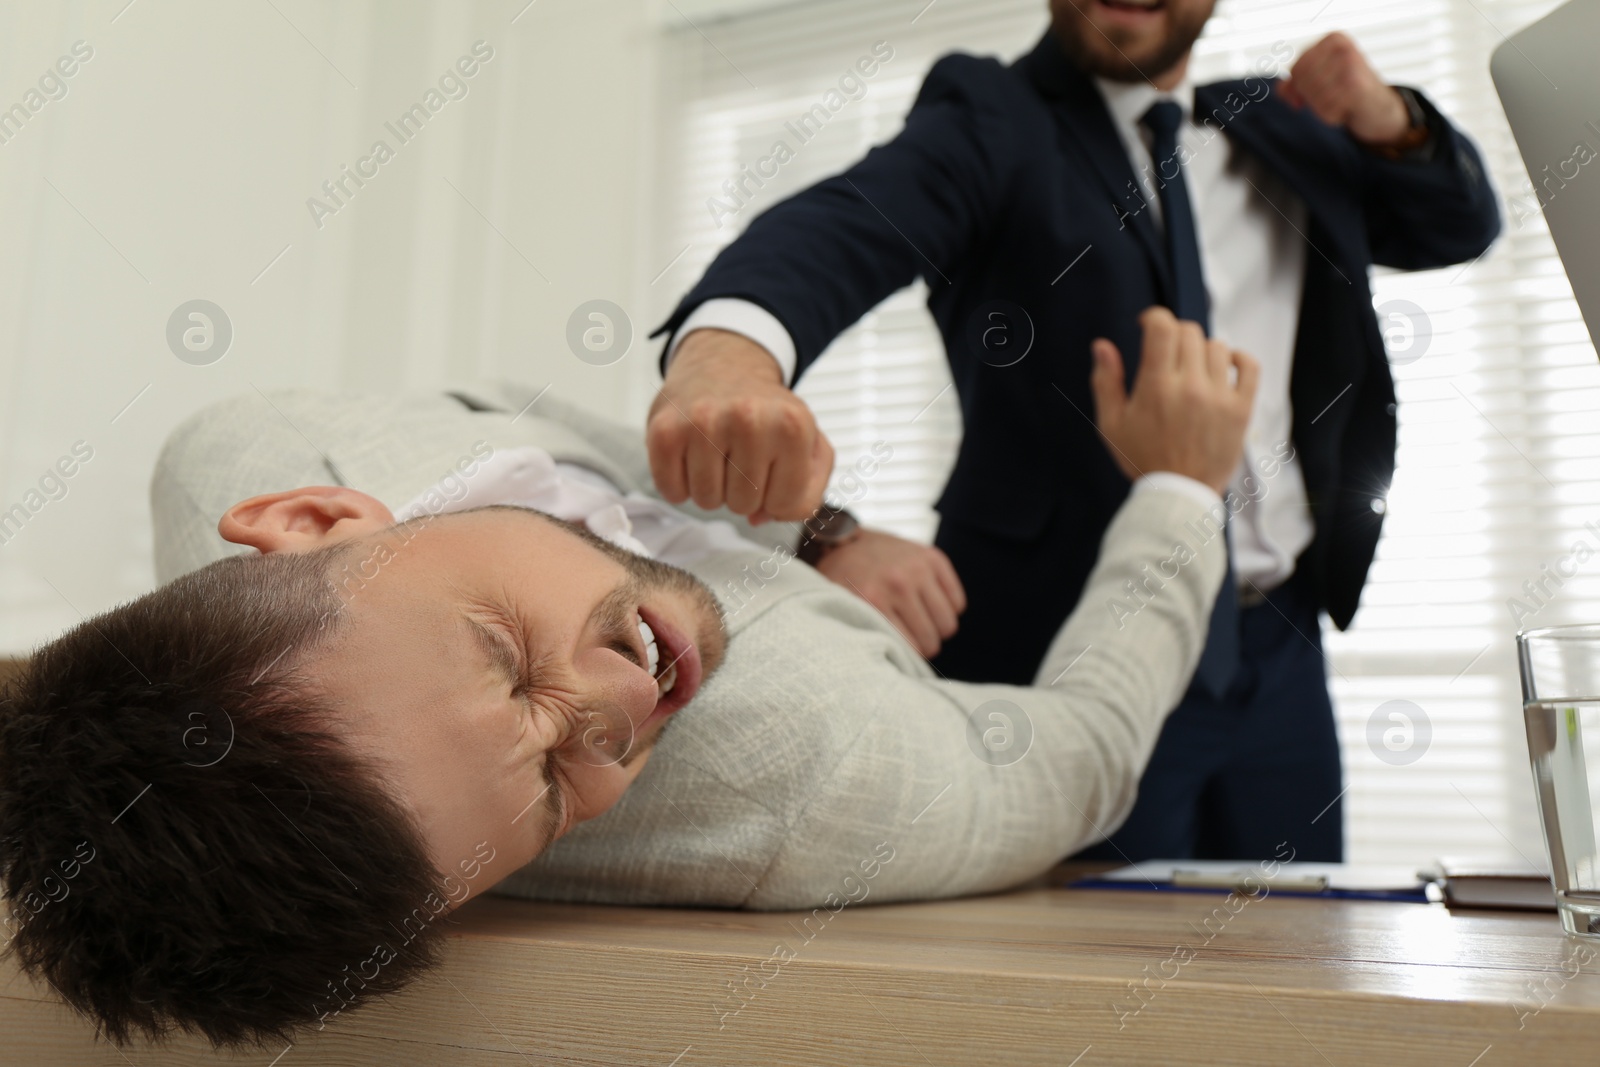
pixel 299 520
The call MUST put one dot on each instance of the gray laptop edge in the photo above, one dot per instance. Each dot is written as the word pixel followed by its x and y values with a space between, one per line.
pixel 1548 78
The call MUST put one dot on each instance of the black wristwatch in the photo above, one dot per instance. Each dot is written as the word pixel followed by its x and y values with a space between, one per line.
pixel 1421 139
pixel 825 530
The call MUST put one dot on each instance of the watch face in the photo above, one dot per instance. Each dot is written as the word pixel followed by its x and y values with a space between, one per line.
pixel 1419 117
pixel 829 526
pixel 847 526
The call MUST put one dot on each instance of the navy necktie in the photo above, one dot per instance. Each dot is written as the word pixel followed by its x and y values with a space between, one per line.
pixel 1177 215
pixel 1188 300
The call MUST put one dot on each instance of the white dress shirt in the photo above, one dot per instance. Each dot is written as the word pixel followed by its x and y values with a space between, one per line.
pixel 1252 251
pixel 529 477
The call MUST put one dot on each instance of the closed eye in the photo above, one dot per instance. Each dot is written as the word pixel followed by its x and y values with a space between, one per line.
pixel 557 811
pixel 501 653
pixel 627 652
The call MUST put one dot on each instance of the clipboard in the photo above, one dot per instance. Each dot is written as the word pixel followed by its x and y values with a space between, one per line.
pixel 1333 881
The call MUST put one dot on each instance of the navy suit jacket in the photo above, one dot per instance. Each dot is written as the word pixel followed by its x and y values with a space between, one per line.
pixel 1004 175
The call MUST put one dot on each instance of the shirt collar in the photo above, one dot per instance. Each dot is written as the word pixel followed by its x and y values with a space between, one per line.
pixel 1128 101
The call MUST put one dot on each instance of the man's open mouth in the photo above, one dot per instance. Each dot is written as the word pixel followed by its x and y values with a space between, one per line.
pixel 1132 5
pixel 672 659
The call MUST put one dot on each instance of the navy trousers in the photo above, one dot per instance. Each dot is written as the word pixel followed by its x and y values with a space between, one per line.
pixel 1235 778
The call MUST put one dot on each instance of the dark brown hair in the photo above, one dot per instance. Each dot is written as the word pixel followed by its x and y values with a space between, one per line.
pixel 185 844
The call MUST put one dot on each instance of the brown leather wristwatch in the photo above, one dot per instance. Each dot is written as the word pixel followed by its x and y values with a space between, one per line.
pixel 1418 140
pixel 825 530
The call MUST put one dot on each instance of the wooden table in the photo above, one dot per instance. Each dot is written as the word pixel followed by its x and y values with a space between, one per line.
pixel 1037 976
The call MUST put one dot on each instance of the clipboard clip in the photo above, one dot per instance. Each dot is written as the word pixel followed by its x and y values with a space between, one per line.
pixel 1236 880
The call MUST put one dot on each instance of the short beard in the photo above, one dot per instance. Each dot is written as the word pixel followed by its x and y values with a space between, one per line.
pixel 1092 52
pixel 710 637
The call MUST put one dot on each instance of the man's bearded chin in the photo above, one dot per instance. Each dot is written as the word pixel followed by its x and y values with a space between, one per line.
pixel 1122 54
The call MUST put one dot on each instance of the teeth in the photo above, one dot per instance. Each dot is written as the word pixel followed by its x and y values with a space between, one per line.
pixel 652 652
pixel 668 679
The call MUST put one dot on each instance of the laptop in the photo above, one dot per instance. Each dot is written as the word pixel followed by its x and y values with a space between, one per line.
pixel 1548 78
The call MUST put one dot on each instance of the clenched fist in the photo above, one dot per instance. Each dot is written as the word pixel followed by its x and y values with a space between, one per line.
pixel 1190 404
pixel 725 430
pixel 1335 81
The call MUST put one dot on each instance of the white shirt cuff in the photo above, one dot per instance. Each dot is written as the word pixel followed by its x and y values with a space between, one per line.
pixel 1200 492
pixel 741 317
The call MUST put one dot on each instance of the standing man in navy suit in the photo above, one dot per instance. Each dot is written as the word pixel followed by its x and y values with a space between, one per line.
pixel 1047 204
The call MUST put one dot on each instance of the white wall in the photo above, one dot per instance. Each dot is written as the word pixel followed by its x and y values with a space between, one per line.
pixel 178 166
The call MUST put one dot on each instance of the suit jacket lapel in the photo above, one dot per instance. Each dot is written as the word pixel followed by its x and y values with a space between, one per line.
pixel 1080 108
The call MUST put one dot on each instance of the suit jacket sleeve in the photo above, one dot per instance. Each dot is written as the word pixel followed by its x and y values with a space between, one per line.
pixel 962 812
pixel 823 258
pixel 1424 214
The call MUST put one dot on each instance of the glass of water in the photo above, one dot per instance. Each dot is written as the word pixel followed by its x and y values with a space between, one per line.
pixel 1561 704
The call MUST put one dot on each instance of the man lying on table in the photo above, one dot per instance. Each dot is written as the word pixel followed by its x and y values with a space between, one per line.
pixel 238 804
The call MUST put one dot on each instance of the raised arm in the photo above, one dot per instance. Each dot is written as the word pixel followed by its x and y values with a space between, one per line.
pixel 977 787
pixel 1427 195
pixel 725 428
pixel 1434 210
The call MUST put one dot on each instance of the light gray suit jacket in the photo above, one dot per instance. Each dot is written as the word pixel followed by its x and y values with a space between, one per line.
pixel 824 742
